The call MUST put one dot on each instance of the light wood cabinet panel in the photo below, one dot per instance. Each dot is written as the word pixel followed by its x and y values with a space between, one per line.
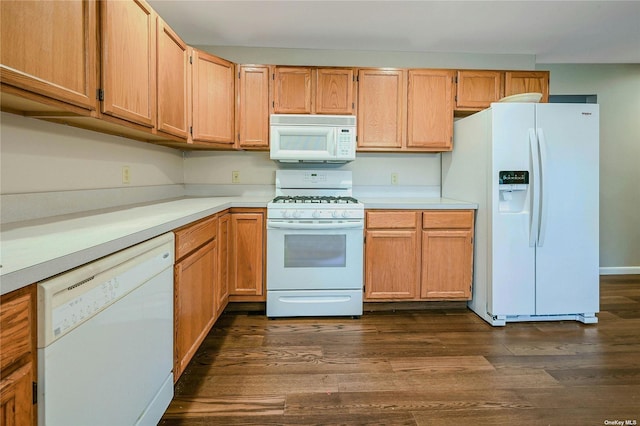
pixel 193 236
pixel 447 254
pixel 50 48
pixel 334 91
pixel 477 89
pixel 392 264
pixel 18 360
pixel 395 219
pixel 381 109
pixel 247 248
pixel 253 107
pixel 406 259
pixel 224 255
pixel 129 61
pixel 173 56
pixel 213 93
pixel 516 82
pixel 447 257
pixel 194 310
pixel 16 406
pixel 292 90
pixel 430 109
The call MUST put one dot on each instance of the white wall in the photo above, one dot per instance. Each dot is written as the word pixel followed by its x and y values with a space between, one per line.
pixel 38 156
pixel 618 90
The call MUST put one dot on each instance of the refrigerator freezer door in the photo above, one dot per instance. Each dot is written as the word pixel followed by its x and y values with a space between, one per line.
pixel 567 258
pixel 512 289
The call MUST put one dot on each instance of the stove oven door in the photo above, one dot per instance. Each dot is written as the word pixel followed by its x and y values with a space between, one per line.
pixel 314 255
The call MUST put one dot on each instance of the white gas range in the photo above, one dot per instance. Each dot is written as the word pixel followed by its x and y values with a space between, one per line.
pixel 315 234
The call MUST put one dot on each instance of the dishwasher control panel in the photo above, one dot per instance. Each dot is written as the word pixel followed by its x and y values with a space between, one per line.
pixel 69 299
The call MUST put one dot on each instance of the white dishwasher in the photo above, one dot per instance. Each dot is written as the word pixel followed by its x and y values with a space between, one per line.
pixel 105 339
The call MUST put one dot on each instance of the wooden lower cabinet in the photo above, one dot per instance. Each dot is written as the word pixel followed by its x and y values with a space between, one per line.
pixel 195 276
pixel 392 262
pixel 447 254
pixel 18 360
pixel 409 260
pixel 224 256
pixel 246 270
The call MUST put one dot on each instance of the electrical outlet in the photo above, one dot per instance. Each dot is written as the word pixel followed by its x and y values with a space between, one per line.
pixel 394 178
pixel 235 176
pixel 126 175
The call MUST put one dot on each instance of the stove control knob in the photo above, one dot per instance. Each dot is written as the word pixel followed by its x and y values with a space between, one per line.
pixel 296 214
pixel 285 213
pixel 336 214
pixel 316 213
pixel 346 213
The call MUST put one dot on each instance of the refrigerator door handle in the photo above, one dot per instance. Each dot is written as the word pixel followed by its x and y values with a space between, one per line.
pixel 543 187
pixel 535 202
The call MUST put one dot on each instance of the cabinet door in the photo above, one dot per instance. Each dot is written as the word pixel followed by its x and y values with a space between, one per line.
pixel 172 82
pixel 194 310
pixel 381 109
pixel 50 48
pixel 334 91
pixel 292 90
pixel 247 248
pixel 213 92
pixel 392 264
pixel 129 61
pixel 477 89
pixel 222 288
pixel 447 258
pixel 516 82
pixel 16 399
pixel 253 106
pixel 430 110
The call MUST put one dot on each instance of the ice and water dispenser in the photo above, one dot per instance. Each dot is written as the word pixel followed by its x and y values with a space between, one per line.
pixel 513 187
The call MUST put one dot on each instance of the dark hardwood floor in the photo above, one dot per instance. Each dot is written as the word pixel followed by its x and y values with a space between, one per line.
pixel 419 367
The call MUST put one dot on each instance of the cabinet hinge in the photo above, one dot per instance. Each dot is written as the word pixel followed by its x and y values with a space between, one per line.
pixel 353 105
pixel 100 95
pixel 34 388
pixel 455 79
pixel 273 76
pixel 191 130
pixel 455 98
pixel 191 59
pixel 238 75
pixel 273 104
pixel 238 137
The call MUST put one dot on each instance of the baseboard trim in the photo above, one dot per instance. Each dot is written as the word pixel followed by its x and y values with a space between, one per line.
pixel 620 270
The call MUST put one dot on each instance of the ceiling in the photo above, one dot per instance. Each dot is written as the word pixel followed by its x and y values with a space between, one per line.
pixel 553 31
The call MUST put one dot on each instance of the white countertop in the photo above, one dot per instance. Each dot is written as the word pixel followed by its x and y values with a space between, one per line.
pixel 415 203
pixel 35 250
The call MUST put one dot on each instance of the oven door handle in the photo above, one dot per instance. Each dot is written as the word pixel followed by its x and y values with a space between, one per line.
pixel 315 225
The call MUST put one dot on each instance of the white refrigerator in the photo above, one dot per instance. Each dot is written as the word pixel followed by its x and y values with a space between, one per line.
pixel 533 171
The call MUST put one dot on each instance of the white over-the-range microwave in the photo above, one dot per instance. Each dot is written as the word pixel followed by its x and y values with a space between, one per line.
pixel 313 138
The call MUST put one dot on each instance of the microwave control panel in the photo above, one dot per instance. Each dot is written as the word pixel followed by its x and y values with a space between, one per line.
pixel 346 142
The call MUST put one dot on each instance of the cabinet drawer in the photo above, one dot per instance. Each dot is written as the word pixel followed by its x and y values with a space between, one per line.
pixel 15 327
pixel 447 219
pixel 392 219
pixel 193 236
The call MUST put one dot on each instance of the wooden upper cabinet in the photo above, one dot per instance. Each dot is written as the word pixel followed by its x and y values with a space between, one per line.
pixel 213 98
pixel 381 109
pixel 129 61
pixel 477 89
pixel 253 106
pixel 430 109
pixel 516 82
pixel 49 48
pixel 292 90
pixel 173 57
pixel 334 91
